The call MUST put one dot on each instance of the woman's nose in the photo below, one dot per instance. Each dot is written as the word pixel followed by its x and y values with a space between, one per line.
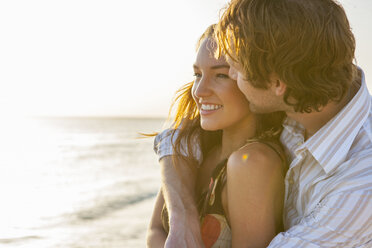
pixel 233 73
pixel 202 88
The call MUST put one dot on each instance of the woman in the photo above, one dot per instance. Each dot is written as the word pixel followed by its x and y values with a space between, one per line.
pixel 240 177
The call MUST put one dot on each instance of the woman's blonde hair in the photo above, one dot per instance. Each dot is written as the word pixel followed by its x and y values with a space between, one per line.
pixel 187 120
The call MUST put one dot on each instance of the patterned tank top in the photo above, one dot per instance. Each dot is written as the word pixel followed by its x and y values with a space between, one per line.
pixel 215 228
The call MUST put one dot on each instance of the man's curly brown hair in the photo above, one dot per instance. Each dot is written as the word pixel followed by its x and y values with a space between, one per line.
pixel 308 44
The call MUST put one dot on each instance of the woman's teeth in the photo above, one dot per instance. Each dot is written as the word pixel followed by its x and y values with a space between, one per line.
pixel 210 106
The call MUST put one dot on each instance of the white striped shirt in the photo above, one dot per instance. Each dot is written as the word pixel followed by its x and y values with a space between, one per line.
pixel 163 145
pixel 328 200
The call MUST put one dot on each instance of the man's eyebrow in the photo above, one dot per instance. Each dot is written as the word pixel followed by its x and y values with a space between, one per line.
pixel 220 66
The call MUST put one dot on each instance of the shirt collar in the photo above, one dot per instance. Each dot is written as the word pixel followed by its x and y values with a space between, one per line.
pixel 294 127
pixel 295 143
pixel 330 145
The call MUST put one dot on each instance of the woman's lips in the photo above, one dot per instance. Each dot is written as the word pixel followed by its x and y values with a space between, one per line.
pixel 208 108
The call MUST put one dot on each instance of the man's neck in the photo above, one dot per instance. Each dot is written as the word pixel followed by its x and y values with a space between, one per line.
pixel 315 120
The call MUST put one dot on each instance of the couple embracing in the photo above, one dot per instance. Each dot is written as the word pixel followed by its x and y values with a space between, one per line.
pixel 271 145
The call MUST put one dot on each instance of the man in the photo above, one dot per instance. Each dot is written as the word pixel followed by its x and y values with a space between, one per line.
pixel 297 56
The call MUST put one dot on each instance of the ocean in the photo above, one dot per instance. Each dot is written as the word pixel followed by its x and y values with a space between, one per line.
pixel 77 182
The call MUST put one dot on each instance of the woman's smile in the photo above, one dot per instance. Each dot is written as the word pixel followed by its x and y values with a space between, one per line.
pixel 208 108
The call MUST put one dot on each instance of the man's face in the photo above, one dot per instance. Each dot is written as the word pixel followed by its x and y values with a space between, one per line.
pixel 260 100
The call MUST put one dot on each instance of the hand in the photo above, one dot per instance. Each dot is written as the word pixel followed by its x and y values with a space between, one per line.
pixel 184 233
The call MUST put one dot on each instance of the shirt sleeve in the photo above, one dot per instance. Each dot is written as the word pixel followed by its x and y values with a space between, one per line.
pixel 163 145
pixel 341 220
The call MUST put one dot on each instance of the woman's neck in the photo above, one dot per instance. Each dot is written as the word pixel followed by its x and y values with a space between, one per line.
pixel 236 136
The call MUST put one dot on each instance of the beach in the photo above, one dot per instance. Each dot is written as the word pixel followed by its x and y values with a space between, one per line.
pixel 79 182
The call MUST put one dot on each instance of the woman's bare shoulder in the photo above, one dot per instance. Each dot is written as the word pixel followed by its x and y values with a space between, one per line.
pixel 256 157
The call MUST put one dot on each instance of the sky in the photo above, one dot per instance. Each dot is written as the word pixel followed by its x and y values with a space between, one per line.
pixel 113 57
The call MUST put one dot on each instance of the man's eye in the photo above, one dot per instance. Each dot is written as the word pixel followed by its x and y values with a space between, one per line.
pixel 221 75
pixel 197 75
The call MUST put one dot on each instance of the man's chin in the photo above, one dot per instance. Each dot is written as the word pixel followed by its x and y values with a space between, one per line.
pixel 254 109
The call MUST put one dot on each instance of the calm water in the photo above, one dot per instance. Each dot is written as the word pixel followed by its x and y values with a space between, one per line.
pixel 76 182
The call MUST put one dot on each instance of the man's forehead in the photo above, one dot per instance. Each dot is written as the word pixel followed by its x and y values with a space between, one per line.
pixel 232 62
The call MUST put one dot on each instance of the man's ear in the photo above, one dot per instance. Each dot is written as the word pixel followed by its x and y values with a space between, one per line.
pixel 280 88
pixel 277 85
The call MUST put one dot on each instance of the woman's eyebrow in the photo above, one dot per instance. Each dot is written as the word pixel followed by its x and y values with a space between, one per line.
pixel 214 67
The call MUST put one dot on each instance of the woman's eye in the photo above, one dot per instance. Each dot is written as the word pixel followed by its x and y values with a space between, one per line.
pixel 197 75
pixel 221 75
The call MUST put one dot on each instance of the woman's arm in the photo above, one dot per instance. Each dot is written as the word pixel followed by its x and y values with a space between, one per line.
pixel 178 184
pixel 156 235
pixel 254 195
pixel 178 187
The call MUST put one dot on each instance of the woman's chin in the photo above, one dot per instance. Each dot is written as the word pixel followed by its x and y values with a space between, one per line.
pixel 209 126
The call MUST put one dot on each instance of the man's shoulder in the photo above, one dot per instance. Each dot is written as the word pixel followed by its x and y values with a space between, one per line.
pixel 363 139
pixel 355 171
pixel 359 156
pixel 367 125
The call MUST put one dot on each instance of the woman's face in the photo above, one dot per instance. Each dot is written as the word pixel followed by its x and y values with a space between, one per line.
pixel 220 102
